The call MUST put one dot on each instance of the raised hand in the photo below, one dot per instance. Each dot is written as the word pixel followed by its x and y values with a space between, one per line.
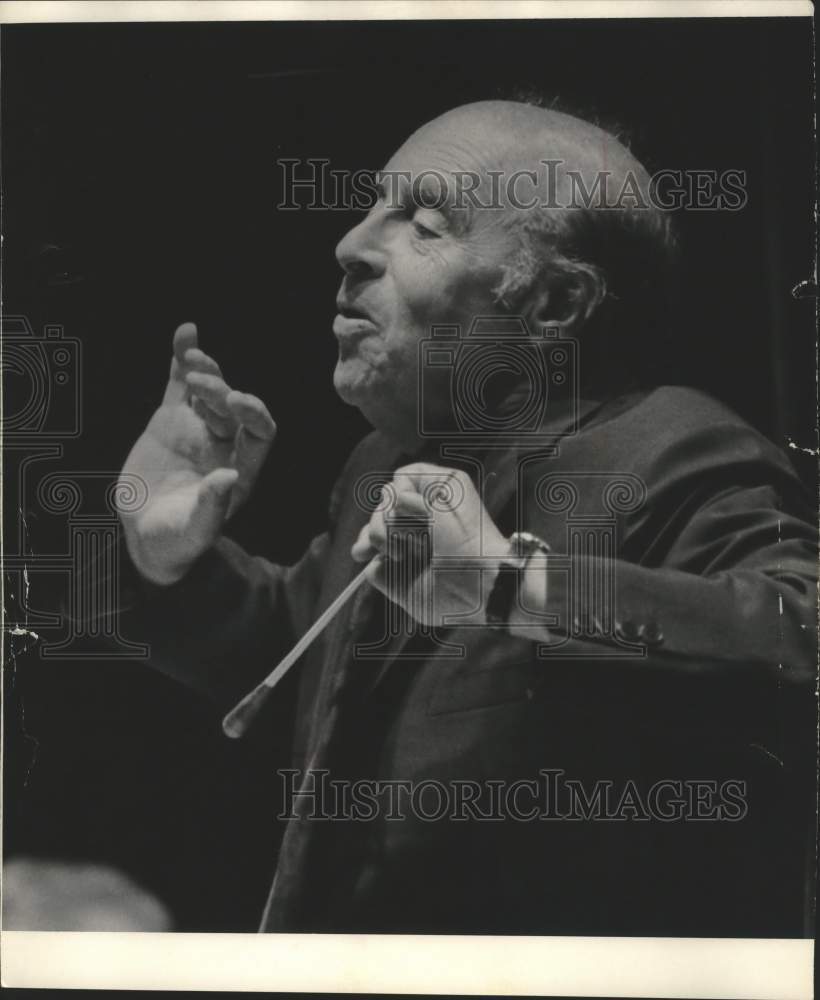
pixel 198 459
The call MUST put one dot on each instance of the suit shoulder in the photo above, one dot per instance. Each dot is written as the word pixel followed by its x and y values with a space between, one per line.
pixel 676 422
pixel 681 408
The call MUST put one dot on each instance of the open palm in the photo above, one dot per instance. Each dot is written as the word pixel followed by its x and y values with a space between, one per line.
pixel 197 461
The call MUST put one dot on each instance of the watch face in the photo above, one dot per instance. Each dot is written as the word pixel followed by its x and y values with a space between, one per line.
pixel 525 543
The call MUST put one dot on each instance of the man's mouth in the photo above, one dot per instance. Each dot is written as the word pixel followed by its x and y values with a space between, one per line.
pixel 351 321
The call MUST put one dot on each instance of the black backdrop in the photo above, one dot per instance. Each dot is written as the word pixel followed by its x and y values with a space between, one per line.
pixel 140 185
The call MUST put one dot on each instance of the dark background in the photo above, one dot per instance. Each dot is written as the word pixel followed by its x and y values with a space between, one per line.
pixel 140 185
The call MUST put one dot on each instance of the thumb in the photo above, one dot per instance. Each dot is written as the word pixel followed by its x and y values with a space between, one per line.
pixel 213 500
pixel 377 573
pixel 363 549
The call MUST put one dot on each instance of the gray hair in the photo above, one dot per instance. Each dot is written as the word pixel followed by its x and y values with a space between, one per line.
pixel 617 267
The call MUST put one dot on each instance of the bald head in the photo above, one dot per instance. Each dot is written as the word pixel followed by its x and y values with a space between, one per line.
pixel 531 129
pixel 567 155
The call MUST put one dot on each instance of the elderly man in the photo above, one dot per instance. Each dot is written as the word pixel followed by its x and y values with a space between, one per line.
pixel 583 633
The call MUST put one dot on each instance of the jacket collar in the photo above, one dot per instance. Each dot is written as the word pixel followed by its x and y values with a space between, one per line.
pixel 494 471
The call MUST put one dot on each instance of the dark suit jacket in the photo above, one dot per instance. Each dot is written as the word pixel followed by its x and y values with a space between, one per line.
pixel 697 663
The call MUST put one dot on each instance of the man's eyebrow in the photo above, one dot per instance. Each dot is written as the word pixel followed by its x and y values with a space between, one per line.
pixel 434 195
pixel 419 190
pixel 391 186
pixel 400 188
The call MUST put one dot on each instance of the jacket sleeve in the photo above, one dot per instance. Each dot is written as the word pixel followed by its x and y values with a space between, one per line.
pixel 719 564
pixel 222 628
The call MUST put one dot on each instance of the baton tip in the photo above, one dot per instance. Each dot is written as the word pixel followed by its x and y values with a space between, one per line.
pixel 233 727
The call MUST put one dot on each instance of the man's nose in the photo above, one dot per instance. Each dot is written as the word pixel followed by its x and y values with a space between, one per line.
pixel 359 251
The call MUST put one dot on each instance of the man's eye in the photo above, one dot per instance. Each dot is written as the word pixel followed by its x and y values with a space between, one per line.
pixel 426 232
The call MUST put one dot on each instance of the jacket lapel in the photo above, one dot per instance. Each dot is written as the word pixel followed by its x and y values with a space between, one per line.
pixel 495 474
pixel 335 653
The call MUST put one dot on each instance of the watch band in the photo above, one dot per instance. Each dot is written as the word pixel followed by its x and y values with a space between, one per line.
pixel 523 544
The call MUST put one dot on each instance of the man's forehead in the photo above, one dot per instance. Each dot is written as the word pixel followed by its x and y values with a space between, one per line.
pixel 437 164
pixel 432 149
pixel 509 136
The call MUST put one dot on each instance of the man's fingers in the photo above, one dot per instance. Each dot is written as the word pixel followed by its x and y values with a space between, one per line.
pixel 363 549
pixel 223 428
pixel 211 389
pixel 441 489
pixel 374 536
pixel 256 431
pixel 218 484
pixel 419 475
pixel 377 575
pixel 213 500
pixel 198 361
pixel 411 505
pixel 185 338
pixel 252 413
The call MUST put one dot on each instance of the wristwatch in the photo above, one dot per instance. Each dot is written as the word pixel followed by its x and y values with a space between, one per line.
pixel 523 544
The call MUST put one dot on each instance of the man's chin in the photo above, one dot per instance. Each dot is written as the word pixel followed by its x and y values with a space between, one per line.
pixel 363 394
pixel 349 388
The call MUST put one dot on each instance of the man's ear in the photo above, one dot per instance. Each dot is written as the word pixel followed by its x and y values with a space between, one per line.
pixel 566 299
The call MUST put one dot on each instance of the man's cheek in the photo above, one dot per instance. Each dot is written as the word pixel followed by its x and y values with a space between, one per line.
pixel 374 353
pixel 437 306
pixel 370 366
